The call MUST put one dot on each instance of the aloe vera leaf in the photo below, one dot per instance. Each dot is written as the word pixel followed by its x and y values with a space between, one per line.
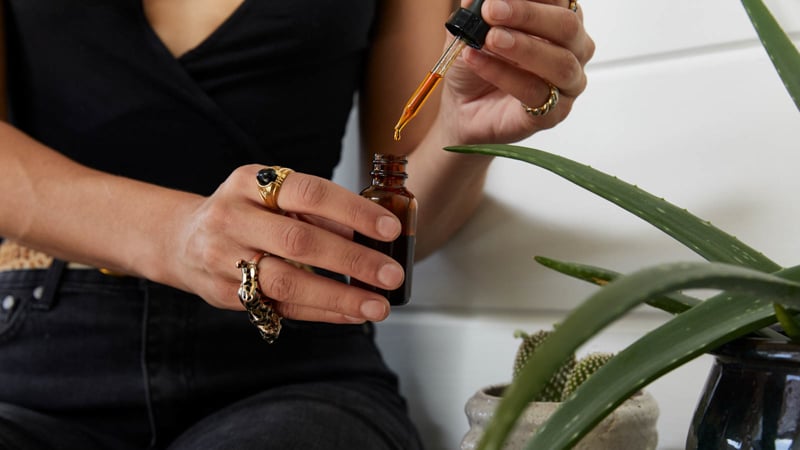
pixel 609 304
pixel 699 235
pixel 779 47
pixel 673 303
pixel 788 322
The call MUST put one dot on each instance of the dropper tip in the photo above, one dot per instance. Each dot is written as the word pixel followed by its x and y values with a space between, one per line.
pixel 398 128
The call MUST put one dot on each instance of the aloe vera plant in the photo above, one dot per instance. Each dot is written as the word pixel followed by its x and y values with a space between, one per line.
pixel 745 306
pixel 755 293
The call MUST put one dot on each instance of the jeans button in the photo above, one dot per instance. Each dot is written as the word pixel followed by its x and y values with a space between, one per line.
pixel 8 303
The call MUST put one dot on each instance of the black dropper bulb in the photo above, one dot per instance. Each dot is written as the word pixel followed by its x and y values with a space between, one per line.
pixel 468 24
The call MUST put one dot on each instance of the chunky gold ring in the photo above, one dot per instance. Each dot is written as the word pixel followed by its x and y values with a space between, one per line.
pixel 260 309
pixel 573 5
pixel 270 180
pixel 549 105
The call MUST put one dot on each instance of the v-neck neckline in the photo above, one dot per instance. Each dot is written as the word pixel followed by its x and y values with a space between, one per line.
pixel 206 42
pixel 182 80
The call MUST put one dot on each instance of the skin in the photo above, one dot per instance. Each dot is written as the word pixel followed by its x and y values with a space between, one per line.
pixel 192 242
pixel 2 71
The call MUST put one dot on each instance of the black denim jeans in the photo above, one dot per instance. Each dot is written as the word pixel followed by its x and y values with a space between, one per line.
pixel 89 361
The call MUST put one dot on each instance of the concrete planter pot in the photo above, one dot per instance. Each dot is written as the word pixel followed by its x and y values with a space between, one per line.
pixel 631 426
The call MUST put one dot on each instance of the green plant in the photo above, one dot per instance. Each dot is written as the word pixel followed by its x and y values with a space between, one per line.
pixel 569 375
pixel 554 388
pixel 756 293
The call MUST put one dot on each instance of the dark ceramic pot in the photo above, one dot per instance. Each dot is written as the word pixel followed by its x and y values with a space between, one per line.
pixel 751 400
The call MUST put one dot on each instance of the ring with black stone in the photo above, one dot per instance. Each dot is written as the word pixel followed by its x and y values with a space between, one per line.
pixel 269 181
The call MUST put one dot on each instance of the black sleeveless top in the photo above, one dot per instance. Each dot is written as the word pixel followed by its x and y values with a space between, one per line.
pixel 273 85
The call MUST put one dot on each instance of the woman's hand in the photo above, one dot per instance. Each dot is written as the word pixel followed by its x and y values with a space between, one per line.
pixel 316 229
pixel 531 43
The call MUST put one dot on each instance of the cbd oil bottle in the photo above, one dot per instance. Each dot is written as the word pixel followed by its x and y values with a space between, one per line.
pixel 388 190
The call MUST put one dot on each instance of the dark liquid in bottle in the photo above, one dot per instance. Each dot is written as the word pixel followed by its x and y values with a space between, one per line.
pixel 402 251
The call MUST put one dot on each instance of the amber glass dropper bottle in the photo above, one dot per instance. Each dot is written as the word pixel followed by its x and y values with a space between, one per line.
pixel 388 190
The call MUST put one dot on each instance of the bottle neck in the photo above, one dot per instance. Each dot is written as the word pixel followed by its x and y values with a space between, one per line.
pixel 389 170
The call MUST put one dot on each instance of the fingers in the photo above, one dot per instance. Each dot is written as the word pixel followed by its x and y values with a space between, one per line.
pixel 549 20
pixel 302 242
pixel 572 5
pixel 307 194
pixel 328 248
pixel 542 39
pixel 531 46
pixel 307 230
pixel 304 295
pixel 318 241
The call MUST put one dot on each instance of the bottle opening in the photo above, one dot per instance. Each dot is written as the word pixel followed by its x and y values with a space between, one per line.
pixel 384 165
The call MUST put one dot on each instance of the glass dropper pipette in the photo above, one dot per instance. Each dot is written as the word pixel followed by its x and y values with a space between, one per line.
pixel 468 27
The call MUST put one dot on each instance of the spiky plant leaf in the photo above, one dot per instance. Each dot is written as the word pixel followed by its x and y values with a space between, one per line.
pixel 698 235
pixel 673 303
pixel 788 322
pixel 779 47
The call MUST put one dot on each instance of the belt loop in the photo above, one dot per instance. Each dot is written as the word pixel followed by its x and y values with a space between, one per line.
pixel 45 296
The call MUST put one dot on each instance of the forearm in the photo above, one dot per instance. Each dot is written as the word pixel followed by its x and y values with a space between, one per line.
pixel 67 210
pixel 3 70
pixel 448 186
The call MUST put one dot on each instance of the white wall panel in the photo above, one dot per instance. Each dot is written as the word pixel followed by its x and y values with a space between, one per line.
pixel 627 30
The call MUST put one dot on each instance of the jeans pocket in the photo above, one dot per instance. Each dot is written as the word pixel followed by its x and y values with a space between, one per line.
pixel 14 306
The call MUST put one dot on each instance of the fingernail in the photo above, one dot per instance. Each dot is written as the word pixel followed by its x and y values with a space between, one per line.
pixel 354 319
pixel 502 38
pixel 390 275
pixel 500 10
pixel 474 57
pixel 373 309
pixel 388 226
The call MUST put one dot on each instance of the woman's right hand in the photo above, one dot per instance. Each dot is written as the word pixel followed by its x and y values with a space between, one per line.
pixel 315 229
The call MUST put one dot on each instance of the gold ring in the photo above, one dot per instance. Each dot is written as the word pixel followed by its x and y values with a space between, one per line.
pixel 260 309
pixel 270 180
pixel 573 5
pixel 549 105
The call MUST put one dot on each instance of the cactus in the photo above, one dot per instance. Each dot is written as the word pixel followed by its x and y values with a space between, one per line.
pixel 583 370
pixel 552 392
pixel 571 374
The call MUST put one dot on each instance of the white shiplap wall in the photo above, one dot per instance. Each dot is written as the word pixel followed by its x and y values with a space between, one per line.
pixel 682 101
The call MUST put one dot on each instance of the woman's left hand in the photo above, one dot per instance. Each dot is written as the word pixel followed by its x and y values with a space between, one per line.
pixel 532 44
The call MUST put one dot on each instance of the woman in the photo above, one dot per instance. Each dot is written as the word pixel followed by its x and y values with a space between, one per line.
pixel 128 172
